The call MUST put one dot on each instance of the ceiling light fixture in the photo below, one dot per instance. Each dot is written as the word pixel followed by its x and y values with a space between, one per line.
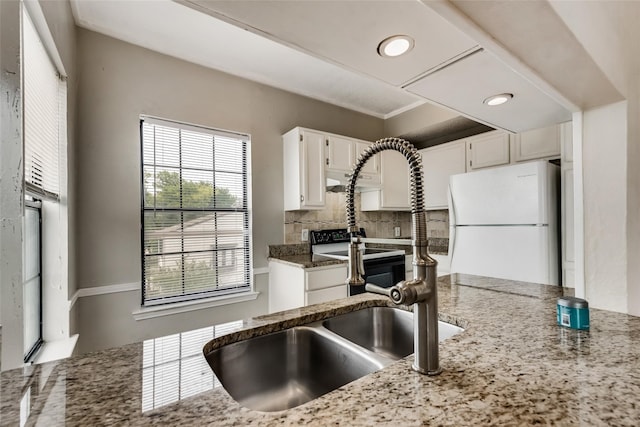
pixel 395 46
pixel 494 100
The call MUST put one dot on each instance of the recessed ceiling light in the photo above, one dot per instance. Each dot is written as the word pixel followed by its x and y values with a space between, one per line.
pixel 498 99
pixel 395 46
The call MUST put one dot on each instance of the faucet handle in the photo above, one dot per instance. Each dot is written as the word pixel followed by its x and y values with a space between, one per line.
pixel 378 289
pixel 393 292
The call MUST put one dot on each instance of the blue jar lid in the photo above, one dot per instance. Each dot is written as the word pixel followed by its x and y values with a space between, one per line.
pixel 573 302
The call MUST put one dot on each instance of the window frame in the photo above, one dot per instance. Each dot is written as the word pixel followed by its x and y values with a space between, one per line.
pixel 36 205
pixel 247 266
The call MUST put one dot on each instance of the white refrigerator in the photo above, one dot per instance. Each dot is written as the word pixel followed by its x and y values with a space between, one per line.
pixel 504 222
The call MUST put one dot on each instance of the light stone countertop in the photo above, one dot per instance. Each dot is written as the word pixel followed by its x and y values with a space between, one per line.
pixel 511 366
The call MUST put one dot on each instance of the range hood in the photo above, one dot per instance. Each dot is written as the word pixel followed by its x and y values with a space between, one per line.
pixel 337 181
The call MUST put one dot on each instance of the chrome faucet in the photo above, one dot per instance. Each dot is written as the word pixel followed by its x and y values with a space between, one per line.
pixel 422 290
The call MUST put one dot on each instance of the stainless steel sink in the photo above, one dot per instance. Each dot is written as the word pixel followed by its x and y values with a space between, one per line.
pixel 384 330
pixel 288 368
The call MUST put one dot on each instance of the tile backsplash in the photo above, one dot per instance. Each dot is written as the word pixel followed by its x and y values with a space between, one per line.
pixel 376 224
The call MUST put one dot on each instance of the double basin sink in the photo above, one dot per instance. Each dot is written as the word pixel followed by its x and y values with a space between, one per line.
pixel 288 368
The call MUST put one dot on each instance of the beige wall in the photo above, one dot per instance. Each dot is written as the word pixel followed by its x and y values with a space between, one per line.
pixel 119 82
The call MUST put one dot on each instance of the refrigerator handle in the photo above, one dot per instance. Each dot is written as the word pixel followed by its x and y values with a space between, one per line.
pixel 452 210
pixel 452 227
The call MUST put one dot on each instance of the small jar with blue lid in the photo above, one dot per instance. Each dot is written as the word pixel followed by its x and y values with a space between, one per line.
pixel 573 312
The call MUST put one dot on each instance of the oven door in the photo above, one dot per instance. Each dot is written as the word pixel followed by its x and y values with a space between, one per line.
pixel 384 272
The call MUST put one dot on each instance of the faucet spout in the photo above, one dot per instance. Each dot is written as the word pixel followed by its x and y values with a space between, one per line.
pixel 422 290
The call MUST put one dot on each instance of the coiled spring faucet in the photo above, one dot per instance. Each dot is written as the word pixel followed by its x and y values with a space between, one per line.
pixel 422 290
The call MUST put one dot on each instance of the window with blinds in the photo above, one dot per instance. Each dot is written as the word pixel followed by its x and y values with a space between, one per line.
pixel 45 96
pixel 195 212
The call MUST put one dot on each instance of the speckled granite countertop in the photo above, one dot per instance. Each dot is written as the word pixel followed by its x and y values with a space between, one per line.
pixel 306 260
pixel 511 366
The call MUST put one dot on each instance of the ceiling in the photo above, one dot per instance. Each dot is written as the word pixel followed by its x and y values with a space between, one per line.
pixel 193 36
pixel 327 50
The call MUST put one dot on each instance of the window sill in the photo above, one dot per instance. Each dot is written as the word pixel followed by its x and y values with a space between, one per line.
pixel 55 350
pixel 145 313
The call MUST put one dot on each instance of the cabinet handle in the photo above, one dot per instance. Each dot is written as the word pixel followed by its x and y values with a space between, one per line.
pixel 327 161
pixel 301 198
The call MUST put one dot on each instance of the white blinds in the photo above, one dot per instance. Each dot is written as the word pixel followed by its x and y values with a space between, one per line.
pixel 195 215
pixel 44 95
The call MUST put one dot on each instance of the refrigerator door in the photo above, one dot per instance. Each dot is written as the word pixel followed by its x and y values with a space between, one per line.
pixel 516 194
pixel 524 253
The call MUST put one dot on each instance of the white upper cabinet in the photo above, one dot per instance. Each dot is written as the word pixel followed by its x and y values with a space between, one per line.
pixel 537 144
pixel 488 150
pixel 304 174
pixel 340 153
pixel 312 158
pixel 394 193
pixel 439 163
pixel 373 164
pixel 343 153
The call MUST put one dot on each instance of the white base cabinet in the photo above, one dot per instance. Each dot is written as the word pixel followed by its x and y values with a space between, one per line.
pixel 294 287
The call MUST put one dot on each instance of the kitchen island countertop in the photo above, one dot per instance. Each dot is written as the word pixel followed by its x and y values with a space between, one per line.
pixel 511 366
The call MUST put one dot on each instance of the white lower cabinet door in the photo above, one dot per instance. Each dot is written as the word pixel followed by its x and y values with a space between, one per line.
pixel 326 294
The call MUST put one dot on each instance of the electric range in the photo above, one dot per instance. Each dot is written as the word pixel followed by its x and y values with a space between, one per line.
pixel 382 267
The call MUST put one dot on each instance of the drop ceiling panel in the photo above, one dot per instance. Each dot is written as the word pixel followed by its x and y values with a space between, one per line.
pixel 348 32
pixel 463 85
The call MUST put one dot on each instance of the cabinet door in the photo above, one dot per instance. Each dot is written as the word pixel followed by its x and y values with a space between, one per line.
pixel 394 174
pixel 439 164
pixel 373 164
pixel 340 153
pixel 327 294
pixel 487 150
pixel 537 144
pixel 286 287
pixel 312 174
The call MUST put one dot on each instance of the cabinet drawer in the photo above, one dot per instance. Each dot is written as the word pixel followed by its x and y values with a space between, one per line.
pixel 325 278
pixel 327 294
